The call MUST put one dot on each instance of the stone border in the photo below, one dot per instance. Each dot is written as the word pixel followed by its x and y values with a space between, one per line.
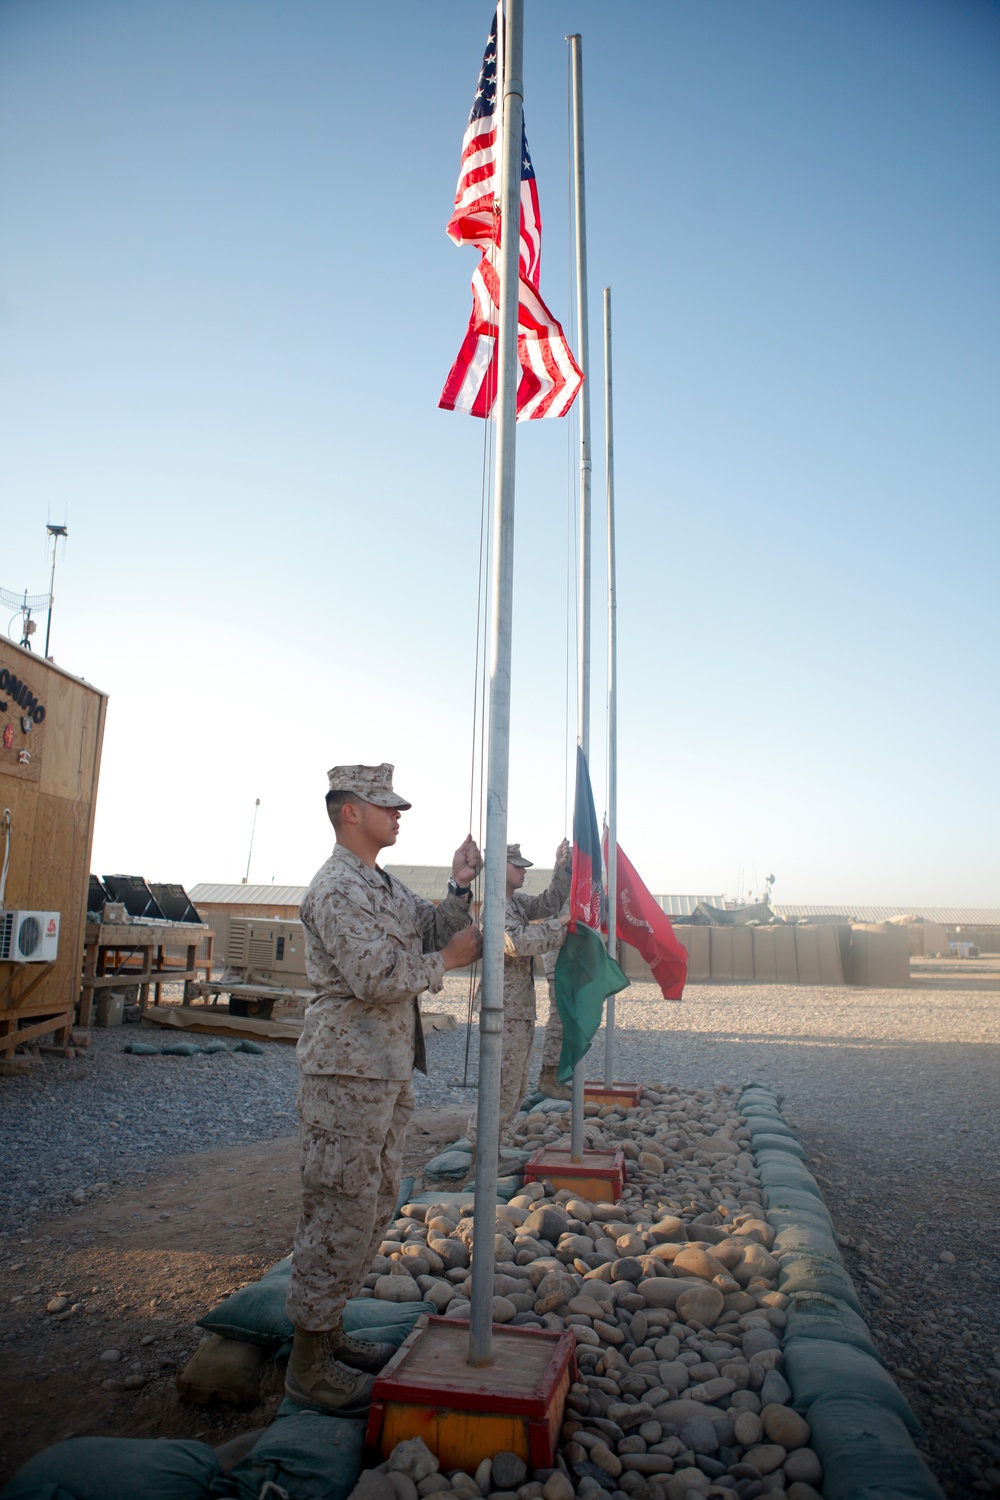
pixel 862 1426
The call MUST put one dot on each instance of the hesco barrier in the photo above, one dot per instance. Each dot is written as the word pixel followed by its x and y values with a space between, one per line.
pixel 862 1425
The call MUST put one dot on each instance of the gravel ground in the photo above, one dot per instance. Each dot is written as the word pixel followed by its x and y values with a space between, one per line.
pixel 895 1094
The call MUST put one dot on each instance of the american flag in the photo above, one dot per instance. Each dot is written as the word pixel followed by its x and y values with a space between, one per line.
pixel 550 376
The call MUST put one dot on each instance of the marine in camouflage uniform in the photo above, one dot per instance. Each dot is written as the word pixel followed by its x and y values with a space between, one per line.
pixel 525 939
pixel 371 946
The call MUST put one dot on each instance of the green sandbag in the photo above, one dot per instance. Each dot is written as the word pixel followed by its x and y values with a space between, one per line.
pixel 821 1367
pixel 305 1454
pixel 777 1144
pixel 866 1452
pixel 813 1315
pixel 760 1124
pixel 254 1048
pixel 180 1049
pixel 778 1169
pixel 812 1273
pixel 449 1166
pixel 141 1049
pixel 103 1468
pixel 813 1238
pixel 256 1314
pixel 210 1048
pixel 805 1209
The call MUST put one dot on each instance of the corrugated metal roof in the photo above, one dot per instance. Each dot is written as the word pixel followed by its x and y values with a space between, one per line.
pixel 247 895
pixel 948 916
pixel 683 906
pixel 430 881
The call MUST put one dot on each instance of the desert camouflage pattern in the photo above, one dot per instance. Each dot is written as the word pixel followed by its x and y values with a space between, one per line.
pixel 371 949
pixel 525 938
pixel 515 1067
pixel 552 1045
pixel 352 1132
pixel 369 783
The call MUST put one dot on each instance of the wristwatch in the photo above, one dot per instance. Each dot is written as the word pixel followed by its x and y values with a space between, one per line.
pixel 454 889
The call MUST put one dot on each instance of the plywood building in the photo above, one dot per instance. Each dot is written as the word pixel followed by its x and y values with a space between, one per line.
pixel 51 734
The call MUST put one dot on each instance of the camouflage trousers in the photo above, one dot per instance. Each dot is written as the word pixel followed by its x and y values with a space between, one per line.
pixel 351 1160
pixel 553 1033
pixel 518 1036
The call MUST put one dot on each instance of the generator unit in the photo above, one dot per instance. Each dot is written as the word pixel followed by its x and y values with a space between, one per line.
pixel 29 937
pixel 266 949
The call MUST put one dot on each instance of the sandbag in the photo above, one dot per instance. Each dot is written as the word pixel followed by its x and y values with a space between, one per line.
pixel 812 1273
pixel 821 1367
pixel 223 1371
pixel 811 1237
pixel 762 1124
pixel 309 1455
pixel 214 1046
pixel 814 1315
pixel 180 1049
pixel 141 1049
pixel 778 1169
pixel 866 1452
pixel 777 1195
pixel 775 1144
pixel 254 1048
pixel 449 1166
pixel 101 1468
pixel 256 1313
pixel 812 1212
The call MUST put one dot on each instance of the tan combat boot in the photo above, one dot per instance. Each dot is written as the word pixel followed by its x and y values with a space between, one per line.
pixel 360 1354
pixel 316 1378
pixel 549 1085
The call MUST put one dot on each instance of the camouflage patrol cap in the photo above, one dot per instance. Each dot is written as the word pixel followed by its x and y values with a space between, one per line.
pixel 368 783
pixel 515 857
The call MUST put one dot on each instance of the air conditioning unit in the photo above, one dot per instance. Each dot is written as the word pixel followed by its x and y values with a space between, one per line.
pixel 29 937
pixel 269 949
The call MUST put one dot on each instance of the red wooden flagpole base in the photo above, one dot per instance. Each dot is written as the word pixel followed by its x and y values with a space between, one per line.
pixel 515 1404
pixel 599 1177
pixel 628 1095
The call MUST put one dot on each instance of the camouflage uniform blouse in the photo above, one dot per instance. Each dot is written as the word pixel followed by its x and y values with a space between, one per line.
pixel 371 948
pixel 526 939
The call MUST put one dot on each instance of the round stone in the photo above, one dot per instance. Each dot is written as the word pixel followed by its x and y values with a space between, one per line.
pixel 509 1471
pixel 766 1457
pixel 785 1426
pixel 397 1289
pixel 703 1304
pixel 748 1429
pixel 110 1356
pixel 694 1262
pixel 803 1465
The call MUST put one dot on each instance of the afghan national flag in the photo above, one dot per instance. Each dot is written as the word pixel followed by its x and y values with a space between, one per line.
pixel 585 976
pixel 644 925
pixel 586 893
pixel 585 973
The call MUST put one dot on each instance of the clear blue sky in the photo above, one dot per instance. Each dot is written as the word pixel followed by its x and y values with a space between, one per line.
pixel 228 306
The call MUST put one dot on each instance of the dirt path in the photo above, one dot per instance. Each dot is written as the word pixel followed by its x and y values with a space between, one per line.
pixel 138 1272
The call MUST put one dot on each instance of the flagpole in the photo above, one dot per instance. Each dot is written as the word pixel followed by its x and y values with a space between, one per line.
pixel 495 889
pixel 609 444
pixel 583 354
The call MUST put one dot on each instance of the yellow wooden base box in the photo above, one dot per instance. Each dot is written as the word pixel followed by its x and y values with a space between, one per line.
pixel 599 1177
pixel 516 1404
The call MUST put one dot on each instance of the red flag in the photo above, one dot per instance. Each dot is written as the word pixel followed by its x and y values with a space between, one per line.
pixel 645 926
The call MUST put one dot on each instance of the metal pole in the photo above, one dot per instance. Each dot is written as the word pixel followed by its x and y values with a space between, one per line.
pixel 583 355
pixel 253 830
pixel 495 887
pixel 609 443
pixel 55 532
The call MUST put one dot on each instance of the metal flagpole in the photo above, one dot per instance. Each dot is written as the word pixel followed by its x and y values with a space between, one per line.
pixel 495 888
pixel 583 356
pixel 609 442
